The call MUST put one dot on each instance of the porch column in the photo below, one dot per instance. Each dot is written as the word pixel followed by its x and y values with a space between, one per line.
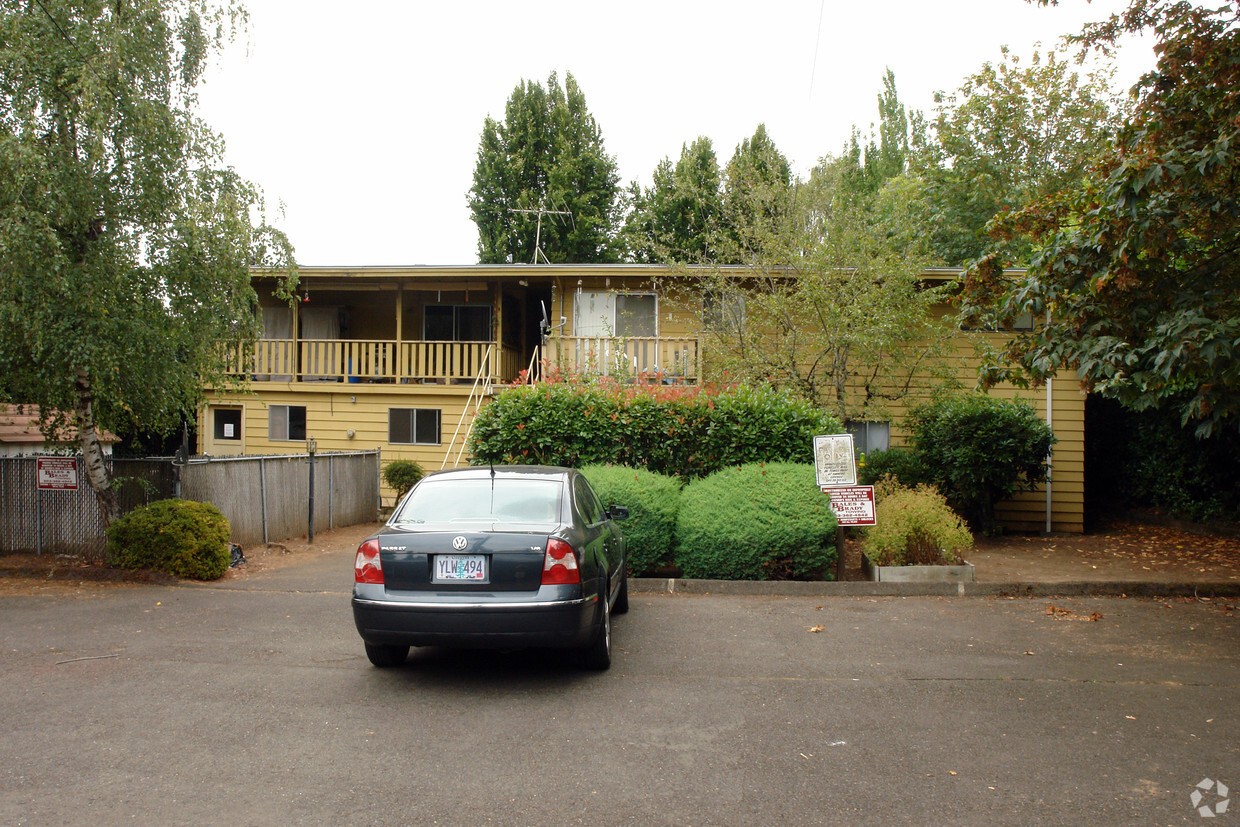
pixel 400 318
pixel 498 334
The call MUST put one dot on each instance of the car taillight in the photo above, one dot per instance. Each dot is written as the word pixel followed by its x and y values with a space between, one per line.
pixel 559 564
pixel 366 566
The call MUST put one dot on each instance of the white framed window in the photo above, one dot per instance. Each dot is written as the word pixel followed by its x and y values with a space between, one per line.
pixel 286 423
pixel 414 426
pixel 613 314
pixel 869 436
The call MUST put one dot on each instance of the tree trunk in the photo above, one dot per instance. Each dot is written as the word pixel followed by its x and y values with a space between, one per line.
pixel 92 452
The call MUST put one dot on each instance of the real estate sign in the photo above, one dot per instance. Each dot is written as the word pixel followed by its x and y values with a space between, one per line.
pixel 853 505
pixel 58 473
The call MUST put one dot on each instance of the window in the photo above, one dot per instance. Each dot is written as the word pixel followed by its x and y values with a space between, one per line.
pixel 636 315
pixel 608 314
pixel 587 502
pixel 869 436
pixel 722 313
pixel 1022 322
pixel 457 323
pixel 286 422
pixel 504 499
pixel 413 426
pixel 226 423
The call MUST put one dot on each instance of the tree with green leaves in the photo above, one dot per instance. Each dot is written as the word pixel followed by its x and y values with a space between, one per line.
pixel 875 179
pixel 125 243
pixel 544 178
pixel 756 187
pixel 886 154
pixel 678 217
pixel 1014 132
pixel 825 304
pixel 1139 267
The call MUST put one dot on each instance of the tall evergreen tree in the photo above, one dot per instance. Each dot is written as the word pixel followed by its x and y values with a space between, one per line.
pixel 548 155
pixel 757 186
pixel 677 219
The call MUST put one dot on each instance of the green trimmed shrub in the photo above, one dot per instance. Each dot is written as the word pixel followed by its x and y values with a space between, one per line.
pixel 401 475
pixel 756 522
pixel 903 464
pixel 653 501
pixel 181 537
pixel 686 431
pixel 915 526
pixel 979 450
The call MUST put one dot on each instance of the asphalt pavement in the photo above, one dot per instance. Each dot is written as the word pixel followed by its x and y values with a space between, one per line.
pixel 251 702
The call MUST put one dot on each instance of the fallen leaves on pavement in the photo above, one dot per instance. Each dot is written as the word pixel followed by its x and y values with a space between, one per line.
pixel 1067 614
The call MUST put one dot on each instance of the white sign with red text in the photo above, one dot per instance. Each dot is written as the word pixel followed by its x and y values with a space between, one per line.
pixel 58 473
pixel 853 505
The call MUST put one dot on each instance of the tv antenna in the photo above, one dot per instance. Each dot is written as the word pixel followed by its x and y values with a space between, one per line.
pixel 540 212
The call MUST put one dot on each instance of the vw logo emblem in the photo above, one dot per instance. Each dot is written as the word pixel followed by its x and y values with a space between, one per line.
pixel 459 543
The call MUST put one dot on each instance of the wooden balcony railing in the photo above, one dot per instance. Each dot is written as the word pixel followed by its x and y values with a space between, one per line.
pixel 375 361
pixel 630 357
pixel 353 360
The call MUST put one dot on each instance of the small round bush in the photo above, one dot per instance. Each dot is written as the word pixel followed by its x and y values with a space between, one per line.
pixel 979 450
pixel 756 522
pixel 653 501
pixel 184 538
pixel 915 526
pixel 401 475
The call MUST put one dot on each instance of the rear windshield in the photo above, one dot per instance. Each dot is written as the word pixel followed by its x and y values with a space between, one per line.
pixel 499 500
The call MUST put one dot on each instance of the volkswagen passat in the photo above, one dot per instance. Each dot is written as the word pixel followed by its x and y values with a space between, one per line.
pixel 494 557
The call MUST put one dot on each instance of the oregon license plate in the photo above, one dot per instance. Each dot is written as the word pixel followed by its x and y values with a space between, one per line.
pixel 450 568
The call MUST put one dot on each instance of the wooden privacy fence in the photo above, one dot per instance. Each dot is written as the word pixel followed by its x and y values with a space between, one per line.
pixel 264 498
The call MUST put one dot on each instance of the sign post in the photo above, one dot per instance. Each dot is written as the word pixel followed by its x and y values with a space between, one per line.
pixel 53 474
pixel 853 504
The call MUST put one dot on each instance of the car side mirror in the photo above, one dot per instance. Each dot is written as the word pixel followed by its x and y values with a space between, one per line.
pixel 617 512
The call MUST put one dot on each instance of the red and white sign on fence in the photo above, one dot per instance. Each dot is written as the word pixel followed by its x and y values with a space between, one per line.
pixel 58 473
pixel 853 505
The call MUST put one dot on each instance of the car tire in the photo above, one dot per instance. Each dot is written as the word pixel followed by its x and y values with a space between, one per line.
pixel 384 655
pixel 598 654
pixel 622 596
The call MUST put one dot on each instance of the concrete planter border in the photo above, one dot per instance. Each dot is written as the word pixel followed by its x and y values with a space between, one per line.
pixel 962 573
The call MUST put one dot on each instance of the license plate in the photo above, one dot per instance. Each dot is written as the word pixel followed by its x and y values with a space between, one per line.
pixel 451 568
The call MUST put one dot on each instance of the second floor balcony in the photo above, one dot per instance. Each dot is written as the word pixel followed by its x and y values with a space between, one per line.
pixel 453 362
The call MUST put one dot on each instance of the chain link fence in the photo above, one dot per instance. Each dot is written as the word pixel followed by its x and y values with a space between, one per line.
pixel 264 498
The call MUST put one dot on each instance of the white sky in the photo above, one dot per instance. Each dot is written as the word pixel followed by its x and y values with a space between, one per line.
pixel 363 118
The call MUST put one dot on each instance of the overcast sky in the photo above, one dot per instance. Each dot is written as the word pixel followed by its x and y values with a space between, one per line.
pixel 363 118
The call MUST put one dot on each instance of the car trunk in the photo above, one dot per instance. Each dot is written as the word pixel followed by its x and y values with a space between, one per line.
pixel 477 558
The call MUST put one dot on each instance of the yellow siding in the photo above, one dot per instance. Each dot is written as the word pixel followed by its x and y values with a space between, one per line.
pixel 335 410
pixel 373 297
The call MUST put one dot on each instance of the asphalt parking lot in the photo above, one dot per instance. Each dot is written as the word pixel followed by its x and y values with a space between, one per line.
pixel 252 703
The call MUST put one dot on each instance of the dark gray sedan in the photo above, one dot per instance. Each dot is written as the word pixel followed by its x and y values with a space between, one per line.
pixel 503 557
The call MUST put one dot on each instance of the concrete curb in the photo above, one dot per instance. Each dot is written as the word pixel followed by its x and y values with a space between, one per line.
pixel 864 588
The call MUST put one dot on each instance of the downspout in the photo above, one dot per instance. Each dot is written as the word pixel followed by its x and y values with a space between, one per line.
pixel 1050 423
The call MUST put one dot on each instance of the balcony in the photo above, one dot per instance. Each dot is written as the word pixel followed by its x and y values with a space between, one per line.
pixel 353 360
pixel 387 362
pixel 672 359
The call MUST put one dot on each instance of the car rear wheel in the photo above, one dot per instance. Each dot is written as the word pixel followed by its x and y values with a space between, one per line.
pixel 598 654
pixel 384 655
